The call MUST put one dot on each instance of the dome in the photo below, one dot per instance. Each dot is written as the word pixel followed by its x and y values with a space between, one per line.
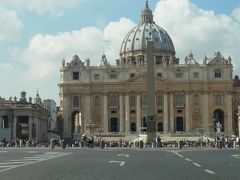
pixel 135 42
pixel 137 38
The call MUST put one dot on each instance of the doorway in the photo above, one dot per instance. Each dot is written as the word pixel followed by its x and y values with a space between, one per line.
pixel 179 124
pixel 114 124
pixel 218 118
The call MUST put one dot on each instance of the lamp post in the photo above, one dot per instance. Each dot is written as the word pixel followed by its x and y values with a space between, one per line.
pixel 100 131
pixel 90 126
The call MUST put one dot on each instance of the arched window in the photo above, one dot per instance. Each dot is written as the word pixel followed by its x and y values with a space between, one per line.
pixel 75 102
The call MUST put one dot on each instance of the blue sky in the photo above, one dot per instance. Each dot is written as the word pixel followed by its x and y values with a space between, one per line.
pixel 36 35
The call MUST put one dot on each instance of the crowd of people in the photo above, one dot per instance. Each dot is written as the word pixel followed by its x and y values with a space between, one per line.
pixel 88 141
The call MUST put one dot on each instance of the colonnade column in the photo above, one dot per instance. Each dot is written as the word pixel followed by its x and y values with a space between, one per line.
pixel 36 121
pixel 229 127
pixel 87 110
pixel 30 121
pixel 238 123
pixel 127 125
pixel 121 115
pixel 14 126
pixel 138 112
pixel 188 114
pixel 105 113
pixel 66 103
pixel 1 122
pixel 171 118
pixel 165 112
pixel 205 112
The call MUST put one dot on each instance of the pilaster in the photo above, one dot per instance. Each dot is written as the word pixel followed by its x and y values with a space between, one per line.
pixel 127 125
pixel 121 114
pixel 138 112
pixel 105 113
pixel 171 108
pixel 165 112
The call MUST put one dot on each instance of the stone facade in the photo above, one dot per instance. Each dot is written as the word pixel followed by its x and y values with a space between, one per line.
pixel 189 97
pixel 23 119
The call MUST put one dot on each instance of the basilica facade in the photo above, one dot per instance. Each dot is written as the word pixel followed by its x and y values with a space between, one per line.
pixel 112 99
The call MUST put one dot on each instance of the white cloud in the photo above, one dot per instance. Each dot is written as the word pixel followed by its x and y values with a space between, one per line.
pixel 53 7
pixel 10 26
pixel 45 52
pixel 236 14
pixel 114 34
pixel 201 31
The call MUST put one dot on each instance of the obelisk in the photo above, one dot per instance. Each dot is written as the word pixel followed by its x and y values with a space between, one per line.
pixel 151 117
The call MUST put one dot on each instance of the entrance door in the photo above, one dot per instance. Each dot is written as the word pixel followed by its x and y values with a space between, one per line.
pixel 144 125
pixel 179 124
pixel 113 125
pixel 218 118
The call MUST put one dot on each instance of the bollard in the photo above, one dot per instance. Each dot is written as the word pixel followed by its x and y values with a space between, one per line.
pixel 21 143
pixel 52 143
pixel 63 144
pixel 234 144
pixel 140 144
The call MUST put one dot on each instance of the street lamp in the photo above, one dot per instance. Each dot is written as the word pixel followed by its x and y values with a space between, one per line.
pixel 90 126
pixel 100 131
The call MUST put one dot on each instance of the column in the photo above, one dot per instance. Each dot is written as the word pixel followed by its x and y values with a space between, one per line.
pixel 36 121
pixel 229 125
pixel 14 126
pixel 1 122
pixel 238 124
pixel 138 112
pixel 66 123
pixel 30 121
pixel 121 115
pixel 171 117
pixel 87 110
pixel 127 121
pixel 105 113
pixel 188 110
pixel 165 112
pixel 204 106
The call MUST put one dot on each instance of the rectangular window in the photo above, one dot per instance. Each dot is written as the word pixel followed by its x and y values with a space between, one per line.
pixel 196 75
pixel 96 76
pixel 132 101
pixel 144 100
pixel 159 100
pixel 75 75
pixel 179 75
pixel 113 101
pixel 218 100
pixel 159 75
pixel 75 102
pixel 218 73
pixel 113 76
pixel 179 101
pixel 132 75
